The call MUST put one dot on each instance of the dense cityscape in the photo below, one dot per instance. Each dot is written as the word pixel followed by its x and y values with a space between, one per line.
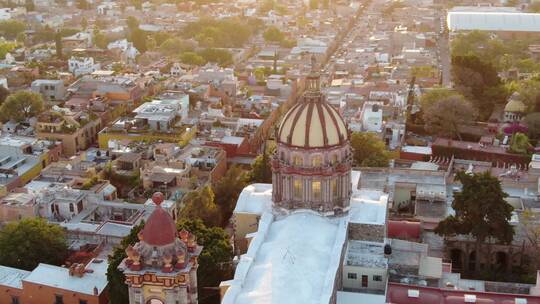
pixel 269 151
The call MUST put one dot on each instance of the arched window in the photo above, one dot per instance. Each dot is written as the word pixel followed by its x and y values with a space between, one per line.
pixel 316 161
pixel 297 160
pixel 297 189
pixel 334 158
pixel 316 190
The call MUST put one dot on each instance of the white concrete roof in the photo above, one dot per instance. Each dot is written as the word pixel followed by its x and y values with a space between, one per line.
pixel 493 21
pixel 12 277
pixel 58 277
pixel 255 199
pixel 290 260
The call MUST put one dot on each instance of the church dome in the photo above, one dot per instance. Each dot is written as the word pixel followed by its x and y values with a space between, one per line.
pixel 515 104
pixel 160 228
pixel 312 124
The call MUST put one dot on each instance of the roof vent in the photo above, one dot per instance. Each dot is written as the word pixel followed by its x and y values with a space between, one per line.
pixel 470 298
pixel 413 293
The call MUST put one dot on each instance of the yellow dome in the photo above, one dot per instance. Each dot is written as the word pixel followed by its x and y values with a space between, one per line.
pixel 312 124
pixel 515 104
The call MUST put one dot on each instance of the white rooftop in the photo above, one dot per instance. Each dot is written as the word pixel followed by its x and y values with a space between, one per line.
pixel 493 21
pixel 58 277
pixel 255 198
pixel 12 277
pixel 368 207
pixel 290 260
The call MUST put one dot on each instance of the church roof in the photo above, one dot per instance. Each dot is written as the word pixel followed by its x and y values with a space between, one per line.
pixel 160 228
pixel 515 104
pixel 312 124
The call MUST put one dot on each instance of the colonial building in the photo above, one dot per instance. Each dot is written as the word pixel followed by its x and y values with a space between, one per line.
pixel 162 267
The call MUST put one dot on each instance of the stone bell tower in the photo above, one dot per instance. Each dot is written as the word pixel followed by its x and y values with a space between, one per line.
pixel 162 267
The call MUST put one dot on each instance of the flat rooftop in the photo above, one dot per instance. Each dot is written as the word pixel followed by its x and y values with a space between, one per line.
pixel 290 260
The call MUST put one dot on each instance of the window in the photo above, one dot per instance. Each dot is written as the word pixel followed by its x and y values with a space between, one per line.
pixel 83 302
pixel 71 208
pixel 59 299
pixel 351 276
pixel 15 300
pixel 297 191
pixel 316 188
pixel 333 188
pixel 377 278
pixel 297 160
pixel 334 158
pixel 316 161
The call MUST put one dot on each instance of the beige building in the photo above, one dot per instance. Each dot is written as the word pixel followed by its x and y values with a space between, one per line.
pixel 17 206
pixel 76 130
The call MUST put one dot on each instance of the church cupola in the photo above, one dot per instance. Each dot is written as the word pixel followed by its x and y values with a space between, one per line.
pixel 164 260
pixel 312 164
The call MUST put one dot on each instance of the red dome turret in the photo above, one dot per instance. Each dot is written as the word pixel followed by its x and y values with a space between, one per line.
pixel 160 229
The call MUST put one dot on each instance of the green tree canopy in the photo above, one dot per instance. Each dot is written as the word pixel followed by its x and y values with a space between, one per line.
pixel 175 46
pixel 445 116
pixel 21 105
pixel 369 150
pixel 4 93
pixel 273 34
pixel 227 190
pixel 519 143
pixel 481 211
pixel 431 96
pixel 6 47
pixel 192 58
pixel 100 40
pixel 261 171
pixel 215 259
pixel 132 23
pixel 27 243
pixel 532 121
pixel 11 28
pixel 201 204
pixel 219 56
pixel 222 33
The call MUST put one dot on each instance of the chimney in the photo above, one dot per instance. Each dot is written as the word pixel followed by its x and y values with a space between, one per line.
pixel 96 291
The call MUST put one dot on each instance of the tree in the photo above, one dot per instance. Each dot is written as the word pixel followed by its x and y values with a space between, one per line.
pixel 479 82
pixel 313 4
pixel 519 143
pixel 118 291
pixel 534 7
pixel 215 259
pixel 200 204
pixel 4 93
pixel 150 43
pixel 433 95
pixel 192 58
pixel 99 39
pixel 29 5
pixel 175 46
pixel 530 221
pixel 532 121
pixel 21 105
pixel 58 44
pixel 219 56
pixel 27 243
pixel 273 34
pixel 481 212
pixel 445 116
pixel 261 171
pixel 11 28
pixel 6 47
pixel 369 150
pixel 132 23
pixel 83 4
pixel 227 190
pixel 84 23
pixel 138 37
